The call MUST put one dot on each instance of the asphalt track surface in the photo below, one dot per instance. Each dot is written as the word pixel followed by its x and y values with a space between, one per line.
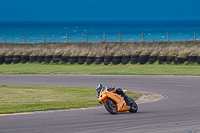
pixel 178 112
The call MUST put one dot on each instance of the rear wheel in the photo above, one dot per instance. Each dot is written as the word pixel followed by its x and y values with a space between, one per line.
pixel 111 106
pixel 134 107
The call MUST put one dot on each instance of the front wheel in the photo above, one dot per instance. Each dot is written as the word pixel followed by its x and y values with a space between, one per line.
pixel 134 107
pixel 111 106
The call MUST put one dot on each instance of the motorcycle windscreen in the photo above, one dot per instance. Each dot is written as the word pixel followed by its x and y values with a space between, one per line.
pixel 102 90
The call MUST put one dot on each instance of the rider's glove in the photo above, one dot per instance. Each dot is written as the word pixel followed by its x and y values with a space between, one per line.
pixel 111 88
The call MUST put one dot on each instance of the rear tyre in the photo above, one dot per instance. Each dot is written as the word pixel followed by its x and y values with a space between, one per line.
pixel 134 107
pixel 111 106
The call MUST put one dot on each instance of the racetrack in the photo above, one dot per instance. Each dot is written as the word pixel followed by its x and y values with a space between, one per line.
pixel 178 112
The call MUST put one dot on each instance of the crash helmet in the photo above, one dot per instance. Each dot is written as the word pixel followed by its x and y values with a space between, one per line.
pixel 99 87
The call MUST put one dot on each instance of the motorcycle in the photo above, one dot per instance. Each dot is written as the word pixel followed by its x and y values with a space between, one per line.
pixel 115 103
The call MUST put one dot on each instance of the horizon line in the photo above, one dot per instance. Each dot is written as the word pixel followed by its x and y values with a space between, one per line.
pixel 38 20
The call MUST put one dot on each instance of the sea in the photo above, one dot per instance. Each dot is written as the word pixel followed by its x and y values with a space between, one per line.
pixel 99 30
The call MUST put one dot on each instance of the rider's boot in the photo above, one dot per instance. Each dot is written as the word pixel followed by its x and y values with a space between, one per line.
pixel 128 101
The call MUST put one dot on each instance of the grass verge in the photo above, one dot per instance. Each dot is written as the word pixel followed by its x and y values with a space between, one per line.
pixel 193 70
pixel 26 98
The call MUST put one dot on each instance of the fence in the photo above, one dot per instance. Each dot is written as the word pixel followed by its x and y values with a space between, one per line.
pixel 101 37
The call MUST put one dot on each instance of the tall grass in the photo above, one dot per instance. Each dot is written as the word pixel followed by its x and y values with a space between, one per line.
pixel 181 49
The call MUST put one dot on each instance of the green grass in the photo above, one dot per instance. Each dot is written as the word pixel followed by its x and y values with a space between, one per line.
pixel 26 98
pixel 193 70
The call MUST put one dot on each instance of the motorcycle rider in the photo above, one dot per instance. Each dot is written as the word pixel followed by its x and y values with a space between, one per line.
pixel 99 87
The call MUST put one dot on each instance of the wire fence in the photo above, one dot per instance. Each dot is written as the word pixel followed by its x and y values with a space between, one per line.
pixel 100 37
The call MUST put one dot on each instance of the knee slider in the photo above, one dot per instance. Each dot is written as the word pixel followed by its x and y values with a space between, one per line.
pixel 119 91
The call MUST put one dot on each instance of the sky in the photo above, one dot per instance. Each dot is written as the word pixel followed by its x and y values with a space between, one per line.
pixel 56 10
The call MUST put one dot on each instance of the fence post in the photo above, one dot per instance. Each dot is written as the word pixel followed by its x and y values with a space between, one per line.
pixel 24 38
pixel 120 36
pixel 104 36
pixel 85 37
pixel 195 37
pixel 67 36
pixel 44 37
pixel 168 36
pixel 143 36
pixel 5 38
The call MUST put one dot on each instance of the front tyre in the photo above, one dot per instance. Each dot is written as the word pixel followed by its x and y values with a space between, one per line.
pixel 111 106
pixel 134 107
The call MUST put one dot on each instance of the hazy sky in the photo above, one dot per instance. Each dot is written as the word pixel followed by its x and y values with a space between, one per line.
pixel 98 9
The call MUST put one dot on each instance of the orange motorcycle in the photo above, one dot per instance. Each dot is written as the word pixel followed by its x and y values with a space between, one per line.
pixel 115 103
